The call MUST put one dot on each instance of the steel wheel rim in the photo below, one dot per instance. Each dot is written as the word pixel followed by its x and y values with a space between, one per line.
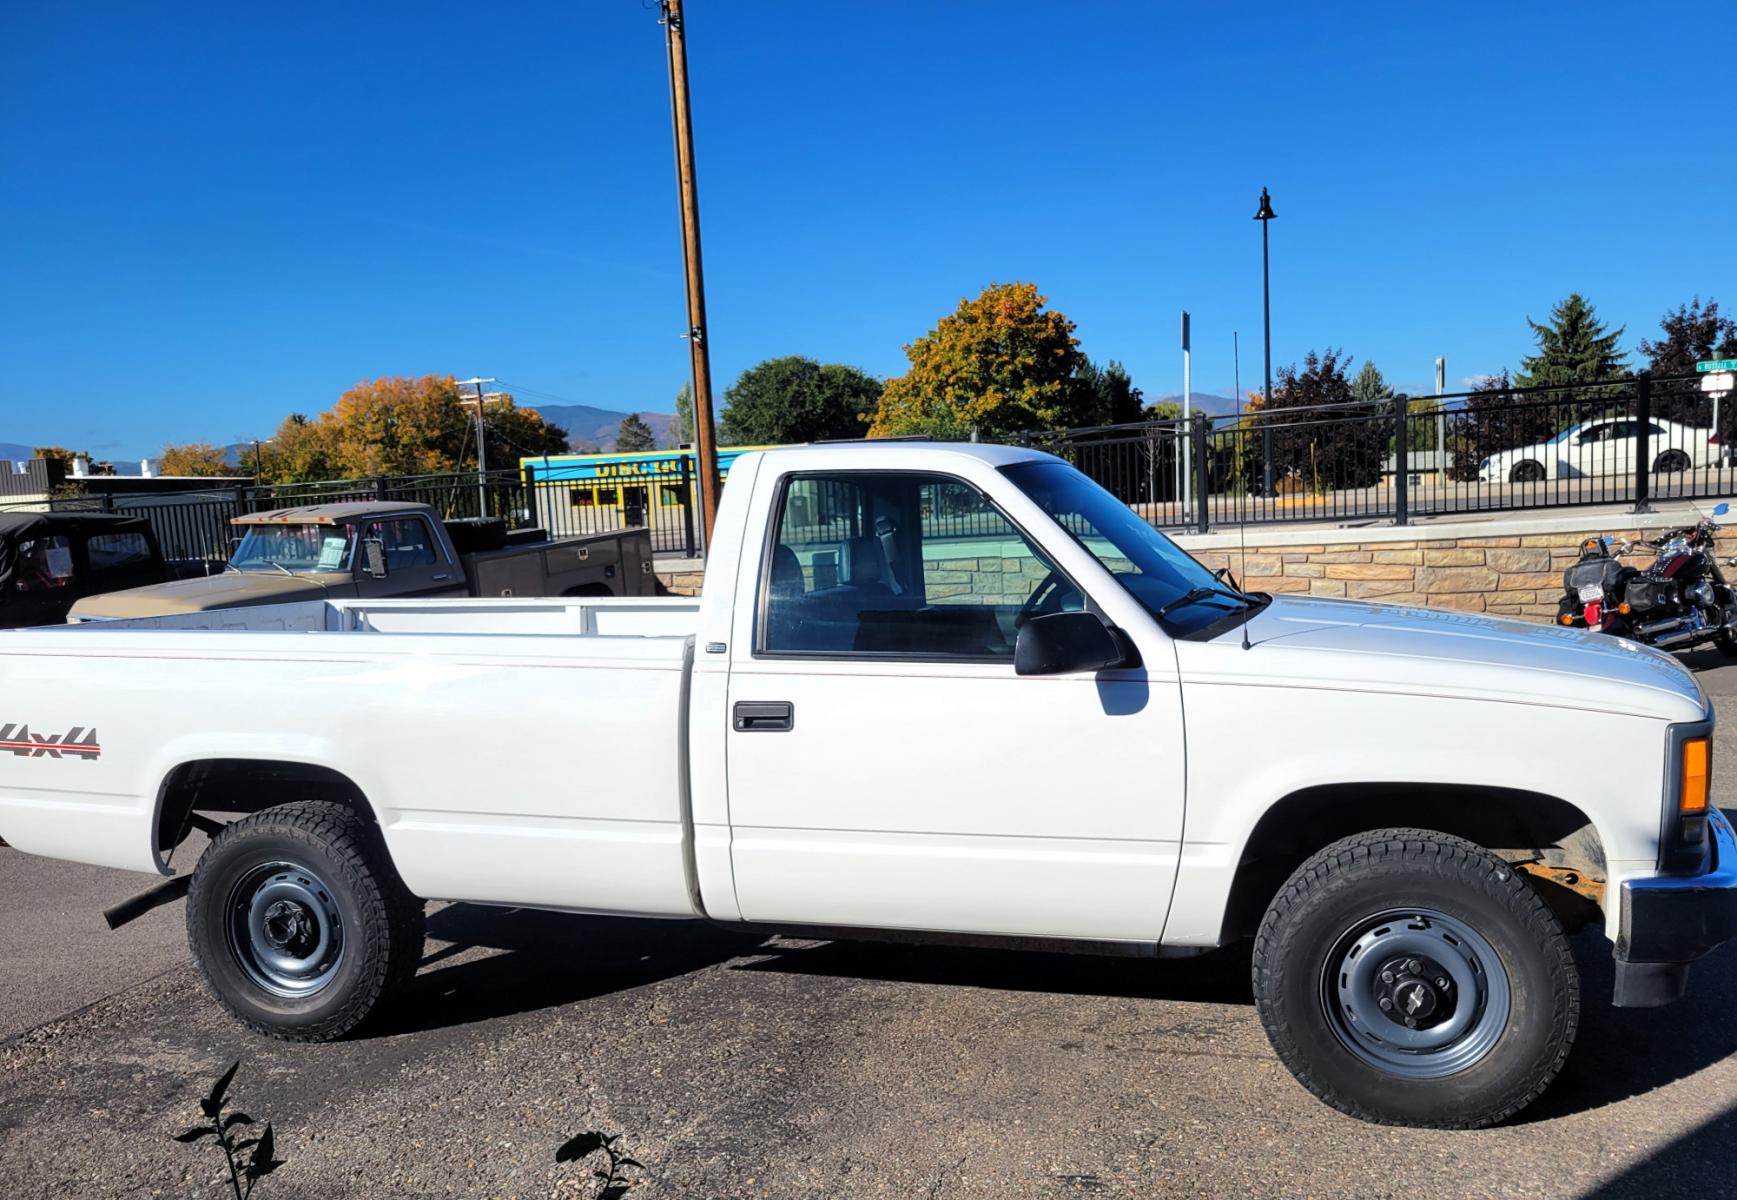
pixel 284 929
pixel 1457 1024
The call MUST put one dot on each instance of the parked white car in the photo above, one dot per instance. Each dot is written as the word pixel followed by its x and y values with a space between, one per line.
pixel 941 692
pixel 1606 446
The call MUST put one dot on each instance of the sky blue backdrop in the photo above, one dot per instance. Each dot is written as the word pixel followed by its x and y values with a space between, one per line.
pixel 212 214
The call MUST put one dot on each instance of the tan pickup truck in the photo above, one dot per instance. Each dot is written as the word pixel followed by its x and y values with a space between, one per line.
pixel 378 549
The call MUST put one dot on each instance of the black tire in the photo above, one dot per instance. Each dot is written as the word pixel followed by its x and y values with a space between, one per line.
pixel 1301 969
pixel 1726 643
pixel 1671 461
pixel 1527 472
pixel 336 888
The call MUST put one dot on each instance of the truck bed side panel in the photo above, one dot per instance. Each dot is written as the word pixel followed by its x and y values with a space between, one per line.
pixel 503 769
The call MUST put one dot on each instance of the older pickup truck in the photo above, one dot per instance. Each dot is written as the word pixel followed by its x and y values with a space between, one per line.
pixel 930 691
pixel 374 549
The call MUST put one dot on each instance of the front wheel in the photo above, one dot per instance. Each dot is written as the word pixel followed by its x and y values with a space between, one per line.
pixel 1527 472
pixel 1408 977
pixel 298 923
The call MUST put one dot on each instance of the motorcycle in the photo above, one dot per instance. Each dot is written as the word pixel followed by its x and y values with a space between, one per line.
pixel 1680 601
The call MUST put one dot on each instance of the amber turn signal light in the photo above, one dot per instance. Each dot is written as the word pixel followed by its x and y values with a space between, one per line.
pixel 1692 796
pixel 1566 619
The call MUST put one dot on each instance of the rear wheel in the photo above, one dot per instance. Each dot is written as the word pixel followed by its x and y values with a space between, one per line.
pixel 1671 461
pixel 298 923
pixel 1409 977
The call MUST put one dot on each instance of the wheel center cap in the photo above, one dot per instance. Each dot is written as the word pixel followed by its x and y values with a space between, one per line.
pixel 1417 999
pixel 288 925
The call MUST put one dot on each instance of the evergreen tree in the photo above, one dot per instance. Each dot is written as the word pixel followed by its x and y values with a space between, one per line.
pixel 634 435
pixel 1369 387
pixel 1573 347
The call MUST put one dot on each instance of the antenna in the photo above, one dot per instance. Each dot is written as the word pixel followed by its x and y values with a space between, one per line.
pixel 1241 509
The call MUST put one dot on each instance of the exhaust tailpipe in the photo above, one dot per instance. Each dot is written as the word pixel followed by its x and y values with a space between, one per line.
pixel 1654 629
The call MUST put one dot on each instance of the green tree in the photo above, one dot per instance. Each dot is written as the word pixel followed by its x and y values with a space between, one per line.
pixel 1369 387
pixel 1574 347
pixel 634 435
pixel 795 399
pixel 195 458
pixel 1115 398
pixel 998 364
pixel 681 430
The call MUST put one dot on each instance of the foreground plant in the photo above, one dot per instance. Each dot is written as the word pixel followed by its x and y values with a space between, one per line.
pixel 249 1159
pixel 612 1182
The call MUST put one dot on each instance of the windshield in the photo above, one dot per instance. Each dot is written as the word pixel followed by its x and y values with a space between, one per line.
pixel 1154 569
pixel 301 549
pixel 1563 436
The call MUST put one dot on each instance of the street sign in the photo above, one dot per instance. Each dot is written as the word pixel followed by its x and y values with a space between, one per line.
pixel 1717 364
pixel 1719 381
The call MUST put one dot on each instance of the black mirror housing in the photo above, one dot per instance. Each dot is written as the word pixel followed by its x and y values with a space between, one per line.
pixel 1060 643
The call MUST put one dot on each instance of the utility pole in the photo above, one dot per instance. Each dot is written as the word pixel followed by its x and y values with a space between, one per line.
pixel 482 462
pixel 681 116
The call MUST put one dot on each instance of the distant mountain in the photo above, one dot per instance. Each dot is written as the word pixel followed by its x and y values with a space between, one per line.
pixel 587 426
pixel 13 452
pixel 1217 406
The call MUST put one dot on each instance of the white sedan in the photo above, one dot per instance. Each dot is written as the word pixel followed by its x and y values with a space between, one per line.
pixel 1605 446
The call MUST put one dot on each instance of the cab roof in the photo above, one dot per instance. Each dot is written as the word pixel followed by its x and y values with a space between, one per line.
pixel 328 514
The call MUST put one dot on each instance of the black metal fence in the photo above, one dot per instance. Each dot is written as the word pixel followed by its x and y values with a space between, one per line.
pixel 1627 441
pixel 195 525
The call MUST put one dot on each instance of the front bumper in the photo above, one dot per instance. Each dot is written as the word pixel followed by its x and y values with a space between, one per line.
pixel 1670 921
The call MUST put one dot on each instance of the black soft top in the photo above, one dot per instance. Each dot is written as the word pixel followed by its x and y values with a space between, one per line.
pixel 19 527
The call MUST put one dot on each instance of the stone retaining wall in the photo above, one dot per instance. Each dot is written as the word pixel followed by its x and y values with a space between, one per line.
pixel 1473 567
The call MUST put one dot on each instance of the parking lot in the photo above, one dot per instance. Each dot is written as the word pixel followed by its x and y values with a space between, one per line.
pixel 733 1066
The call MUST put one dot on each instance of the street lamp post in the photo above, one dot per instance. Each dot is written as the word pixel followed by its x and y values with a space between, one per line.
pixel 1266 214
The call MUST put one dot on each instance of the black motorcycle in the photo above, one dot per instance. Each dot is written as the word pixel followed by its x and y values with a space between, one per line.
pixel 1680 601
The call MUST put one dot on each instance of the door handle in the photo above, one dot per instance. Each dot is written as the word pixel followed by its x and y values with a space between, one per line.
pixel 442 578
pixel 764 716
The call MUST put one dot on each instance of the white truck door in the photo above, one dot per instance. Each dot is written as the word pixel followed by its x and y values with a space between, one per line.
pixel 886 766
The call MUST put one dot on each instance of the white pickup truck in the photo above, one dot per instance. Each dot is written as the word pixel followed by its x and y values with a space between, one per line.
pixel 930 691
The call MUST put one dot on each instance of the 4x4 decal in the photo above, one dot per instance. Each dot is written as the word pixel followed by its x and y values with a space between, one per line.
pixel 77 742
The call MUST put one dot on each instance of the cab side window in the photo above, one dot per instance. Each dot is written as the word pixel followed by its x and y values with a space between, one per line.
pixel 902 564
pixel 406 541
pixel 44 564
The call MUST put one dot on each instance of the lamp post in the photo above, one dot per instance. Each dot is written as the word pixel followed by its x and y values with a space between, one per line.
pixel 1266 214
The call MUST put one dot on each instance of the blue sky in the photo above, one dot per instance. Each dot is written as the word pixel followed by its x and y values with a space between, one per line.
pixel 214 214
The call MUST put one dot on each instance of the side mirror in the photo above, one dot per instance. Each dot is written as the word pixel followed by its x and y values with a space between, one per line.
pixel 1059 643
pixel 1721 509
pixel 374 557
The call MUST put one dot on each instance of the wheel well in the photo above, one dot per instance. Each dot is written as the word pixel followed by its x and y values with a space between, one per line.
pixel 239 786
pixel 1550 840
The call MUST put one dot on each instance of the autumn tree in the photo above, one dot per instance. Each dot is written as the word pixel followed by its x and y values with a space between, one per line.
pixel 634 435
pixel 195 458
pixel 1693 333
pixel 999 364
pixel 398 425
pixel 796 399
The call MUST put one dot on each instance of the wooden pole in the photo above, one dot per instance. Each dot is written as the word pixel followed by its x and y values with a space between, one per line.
pixel 705 440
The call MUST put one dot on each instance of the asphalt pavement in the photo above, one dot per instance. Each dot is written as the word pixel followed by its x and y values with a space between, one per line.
pixel 737 1066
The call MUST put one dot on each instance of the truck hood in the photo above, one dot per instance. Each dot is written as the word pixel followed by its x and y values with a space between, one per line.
pixel 1337 644
pixel 232 589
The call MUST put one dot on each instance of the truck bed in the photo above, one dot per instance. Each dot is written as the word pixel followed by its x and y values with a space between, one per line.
pixel 512 751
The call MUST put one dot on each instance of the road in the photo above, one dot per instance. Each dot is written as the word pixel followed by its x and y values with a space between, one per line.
pixel 733 1066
